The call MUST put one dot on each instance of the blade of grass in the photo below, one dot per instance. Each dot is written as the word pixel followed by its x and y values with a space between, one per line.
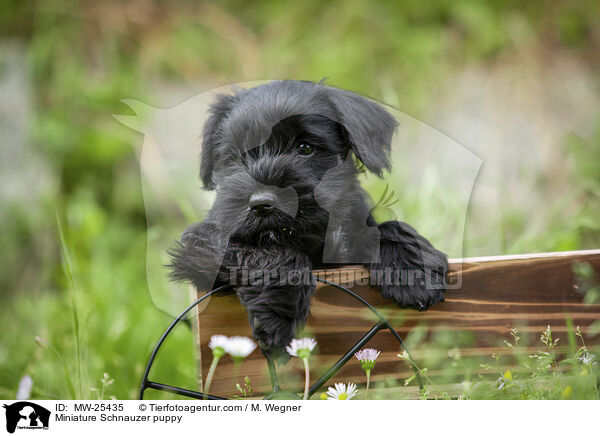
pixel 68 269
pixel 70 387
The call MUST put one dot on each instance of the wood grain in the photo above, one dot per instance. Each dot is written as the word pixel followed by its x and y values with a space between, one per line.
pixel 490 296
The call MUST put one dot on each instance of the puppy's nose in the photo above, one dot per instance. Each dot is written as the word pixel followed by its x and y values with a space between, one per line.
pixel 262 203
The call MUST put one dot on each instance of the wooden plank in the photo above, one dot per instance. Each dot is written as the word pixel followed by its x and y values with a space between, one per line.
pixel 495 295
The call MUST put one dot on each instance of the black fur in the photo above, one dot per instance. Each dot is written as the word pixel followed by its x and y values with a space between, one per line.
pixel 282 211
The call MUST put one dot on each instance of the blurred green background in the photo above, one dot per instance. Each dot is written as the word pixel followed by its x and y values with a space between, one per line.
pixel 517 83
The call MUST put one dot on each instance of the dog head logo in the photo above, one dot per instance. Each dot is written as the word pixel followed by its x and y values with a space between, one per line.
pixel 26 415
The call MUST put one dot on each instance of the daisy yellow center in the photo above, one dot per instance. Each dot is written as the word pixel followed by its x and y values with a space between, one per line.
pixel 343 396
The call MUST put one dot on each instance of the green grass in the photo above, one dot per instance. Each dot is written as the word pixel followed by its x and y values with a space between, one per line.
pixel 513 371
pixel 101 321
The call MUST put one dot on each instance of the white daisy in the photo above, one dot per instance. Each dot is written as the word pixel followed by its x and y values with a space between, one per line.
pixel 217 344
pixel 367 358
pixel 342 392
pixel 239 347
pixel 587 359
pixel 301 347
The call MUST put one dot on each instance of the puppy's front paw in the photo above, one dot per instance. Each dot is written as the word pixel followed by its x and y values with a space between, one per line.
pixel 199 255
pixel 410 271
pixel 416 294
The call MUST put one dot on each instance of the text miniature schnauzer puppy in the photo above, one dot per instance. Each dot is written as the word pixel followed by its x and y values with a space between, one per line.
pixel 284 159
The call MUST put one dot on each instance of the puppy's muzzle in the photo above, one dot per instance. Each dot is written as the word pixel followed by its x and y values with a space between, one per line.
pixel 270 199
pixel 262 203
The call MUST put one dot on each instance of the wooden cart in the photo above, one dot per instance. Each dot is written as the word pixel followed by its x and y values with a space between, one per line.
pixel 493 295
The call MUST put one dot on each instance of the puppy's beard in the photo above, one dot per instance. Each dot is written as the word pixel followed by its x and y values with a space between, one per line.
pixel 269 237
pixel 271 230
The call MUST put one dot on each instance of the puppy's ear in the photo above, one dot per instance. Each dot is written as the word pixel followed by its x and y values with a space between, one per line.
pixel 211 135
pixel 370 128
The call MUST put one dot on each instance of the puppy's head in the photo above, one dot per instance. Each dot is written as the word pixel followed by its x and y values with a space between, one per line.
pixel 266 149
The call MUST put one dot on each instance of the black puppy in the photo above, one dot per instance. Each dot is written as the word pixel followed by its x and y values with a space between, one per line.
pixel 284 159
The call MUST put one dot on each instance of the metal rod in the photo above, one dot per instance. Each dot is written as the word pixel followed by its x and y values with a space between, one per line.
pixel 346 357
pixel 181 391
pixel 381 318
pixel 144 384
pixel 383 323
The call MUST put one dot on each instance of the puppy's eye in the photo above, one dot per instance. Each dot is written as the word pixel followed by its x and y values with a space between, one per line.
pixel 305 149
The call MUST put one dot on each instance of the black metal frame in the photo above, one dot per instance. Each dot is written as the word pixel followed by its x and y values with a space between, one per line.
pixel 381 324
